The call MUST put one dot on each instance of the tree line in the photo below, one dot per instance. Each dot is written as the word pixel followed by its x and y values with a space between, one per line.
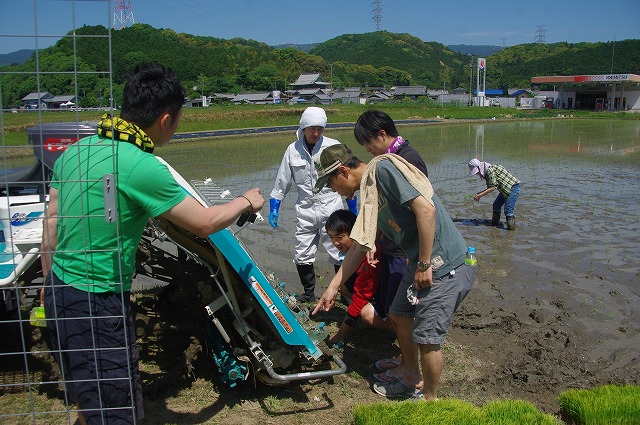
pixel 208 65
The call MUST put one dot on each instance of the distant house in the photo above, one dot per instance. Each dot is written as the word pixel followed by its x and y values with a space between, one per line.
pixel 379 97
pixel 65 101
pixel 253 98
pixel 320 98
pixel 222 97
pixel 314 95
pixel 36 100
pixel 347 96
pixel 195 102
pixel 436 93
pixel 520 92
pixel 490 92
pixel 297 101
pixel 309 81
pixel 411 92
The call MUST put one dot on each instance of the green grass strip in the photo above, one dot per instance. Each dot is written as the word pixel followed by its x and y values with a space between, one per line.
pixel 451 411
pixel 609 404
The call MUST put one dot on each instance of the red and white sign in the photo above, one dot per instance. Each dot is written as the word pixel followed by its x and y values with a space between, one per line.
pixel 614 78
pixel 56 144
pixel 482 63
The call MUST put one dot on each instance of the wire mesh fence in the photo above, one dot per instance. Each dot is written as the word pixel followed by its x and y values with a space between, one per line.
pixel 47 85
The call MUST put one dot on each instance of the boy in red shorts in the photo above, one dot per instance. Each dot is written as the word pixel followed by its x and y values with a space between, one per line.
pixel 362 287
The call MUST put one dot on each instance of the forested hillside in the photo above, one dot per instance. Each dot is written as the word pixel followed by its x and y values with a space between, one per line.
pixel 514 66
pixel 427 63
pixel 482 50
pixel 207 65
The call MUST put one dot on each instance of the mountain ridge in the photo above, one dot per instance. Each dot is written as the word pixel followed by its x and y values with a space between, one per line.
pixel 376 59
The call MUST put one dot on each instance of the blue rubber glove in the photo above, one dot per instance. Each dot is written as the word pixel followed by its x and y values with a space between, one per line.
pixel 353 204
pixel 274 207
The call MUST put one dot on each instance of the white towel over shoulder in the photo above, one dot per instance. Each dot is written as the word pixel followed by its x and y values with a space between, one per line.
pixel 366 225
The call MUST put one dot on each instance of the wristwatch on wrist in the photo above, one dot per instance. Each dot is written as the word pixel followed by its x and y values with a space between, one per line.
pixel 423 266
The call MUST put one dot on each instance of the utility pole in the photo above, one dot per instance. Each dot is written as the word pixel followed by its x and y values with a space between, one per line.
pixel 331 83
pixel 202 96
pixel 471 82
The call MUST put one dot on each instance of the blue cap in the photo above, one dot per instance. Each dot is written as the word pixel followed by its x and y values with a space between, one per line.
pixel 471 249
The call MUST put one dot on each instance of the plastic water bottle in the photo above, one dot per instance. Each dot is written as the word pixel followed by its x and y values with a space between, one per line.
pixel 470 259
pixel 36 317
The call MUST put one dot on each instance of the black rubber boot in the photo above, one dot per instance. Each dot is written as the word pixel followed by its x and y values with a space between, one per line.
pixel 511 222
pixel 308 279
pixel 495 219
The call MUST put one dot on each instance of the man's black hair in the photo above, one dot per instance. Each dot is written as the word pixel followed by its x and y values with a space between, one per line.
pixel 370 123
pixel 354 162
pixel 151 90
pixel 340 221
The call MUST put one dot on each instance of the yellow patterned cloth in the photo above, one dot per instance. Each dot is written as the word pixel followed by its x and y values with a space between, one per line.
pixel 118 129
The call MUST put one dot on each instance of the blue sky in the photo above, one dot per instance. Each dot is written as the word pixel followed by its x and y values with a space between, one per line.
pixel 497 22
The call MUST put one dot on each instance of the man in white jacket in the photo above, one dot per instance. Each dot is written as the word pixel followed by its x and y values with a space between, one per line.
pixel 312 210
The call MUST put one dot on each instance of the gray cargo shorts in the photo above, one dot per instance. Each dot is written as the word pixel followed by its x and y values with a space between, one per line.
pixel 436 305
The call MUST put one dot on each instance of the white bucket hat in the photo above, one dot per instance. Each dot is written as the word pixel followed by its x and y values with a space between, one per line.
pixel 478 167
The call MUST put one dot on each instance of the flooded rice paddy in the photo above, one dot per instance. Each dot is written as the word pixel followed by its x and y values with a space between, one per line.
pixel 555 303
pixel 576 250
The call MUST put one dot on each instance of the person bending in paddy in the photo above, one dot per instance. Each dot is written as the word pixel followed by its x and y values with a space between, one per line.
pixel 397 199
pixel 497 177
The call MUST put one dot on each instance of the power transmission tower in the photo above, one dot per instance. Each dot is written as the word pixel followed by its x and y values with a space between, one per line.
pixel 540 34
pixel 122 14
pixel 377 13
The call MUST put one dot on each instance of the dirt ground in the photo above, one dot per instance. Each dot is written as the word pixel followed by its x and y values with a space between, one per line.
pixel 539 320
pixel 554 306
pixel 503 344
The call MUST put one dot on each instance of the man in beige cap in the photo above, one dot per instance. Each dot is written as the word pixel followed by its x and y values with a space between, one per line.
pixel 397 199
